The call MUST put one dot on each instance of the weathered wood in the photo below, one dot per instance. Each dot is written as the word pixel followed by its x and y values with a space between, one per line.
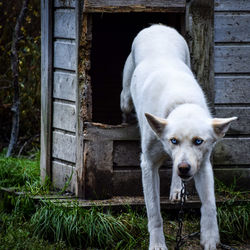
pixel 64 23
pixel 84 65
pixel 129 183
pixel 61 174
pixel 65 55
pixel 83 93
pixel 65 3
pixel 64 86
pixel 232 5
pixel 64 116
pixel 110 132
pixel 232 151
pixel 64 146
pixel 126 153
pixel 134 6
pixel 99 169
pixel 199 28
pixel 46 87
pixel 232 59
pixel 230 175
pixel 232 90
pixel 241 126
pixel 231 28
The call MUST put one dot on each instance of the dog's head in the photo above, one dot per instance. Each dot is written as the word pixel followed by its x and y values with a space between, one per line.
pixel 188 135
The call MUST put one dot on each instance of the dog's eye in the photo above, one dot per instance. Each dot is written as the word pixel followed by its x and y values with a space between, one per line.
pixel 197 141
pixel 174 141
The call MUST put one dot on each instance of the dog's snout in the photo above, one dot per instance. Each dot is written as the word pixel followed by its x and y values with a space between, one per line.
pixel 184 168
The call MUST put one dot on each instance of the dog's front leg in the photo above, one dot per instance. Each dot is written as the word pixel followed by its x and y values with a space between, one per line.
pixel 204 183
pixel 175 189
pixel 151 189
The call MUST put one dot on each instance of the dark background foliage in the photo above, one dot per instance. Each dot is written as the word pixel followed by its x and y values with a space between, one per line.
pixel 29 74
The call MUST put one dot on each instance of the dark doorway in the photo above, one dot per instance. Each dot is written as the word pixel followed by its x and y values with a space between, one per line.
pixel 112 38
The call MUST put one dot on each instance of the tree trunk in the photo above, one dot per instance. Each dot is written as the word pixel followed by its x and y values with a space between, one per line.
pixel 14 68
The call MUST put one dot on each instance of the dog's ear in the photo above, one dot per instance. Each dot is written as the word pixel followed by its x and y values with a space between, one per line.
pixel 156 123
pixel 221 125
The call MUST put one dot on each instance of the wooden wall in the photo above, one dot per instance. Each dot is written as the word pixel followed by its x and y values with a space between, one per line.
pixel 62 146
pixel 64 94
pixel 232 86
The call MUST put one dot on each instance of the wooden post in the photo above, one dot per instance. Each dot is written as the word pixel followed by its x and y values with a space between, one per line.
pixel 83 91
pixel 200 37
pixel 46 87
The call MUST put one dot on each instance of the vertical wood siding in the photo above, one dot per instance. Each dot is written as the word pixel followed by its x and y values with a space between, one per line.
pixel 232 83
pixel 64 93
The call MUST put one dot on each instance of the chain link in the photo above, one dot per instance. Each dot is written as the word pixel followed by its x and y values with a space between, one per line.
pixel 183 195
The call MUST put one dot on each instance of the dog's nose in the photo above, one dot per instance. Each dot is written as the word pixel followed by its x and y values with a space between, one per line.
pixel 184 168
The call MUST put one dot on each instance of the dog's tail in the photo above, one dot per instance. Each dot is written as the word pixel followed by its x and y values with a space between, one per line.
pixel 126 99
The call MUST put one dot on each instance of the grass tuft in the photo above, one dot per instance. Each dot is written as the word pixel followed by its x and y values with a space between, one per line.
pixel 89 228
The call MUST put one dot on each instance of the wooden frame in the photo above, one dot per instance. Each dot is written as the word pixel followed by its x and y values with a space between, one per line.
pixel 200 38
pixel 46 87
pixel 95 6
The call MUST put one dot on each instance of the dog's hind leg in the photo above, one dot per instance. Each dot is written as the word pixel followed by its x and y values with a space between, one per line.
pixel 151 189
pixel 126 99
pixel 175 189
pixel 204 183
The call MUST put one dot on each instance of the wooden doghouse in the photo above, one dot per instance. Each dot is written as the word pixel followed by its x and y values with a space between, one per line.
pixel 84 47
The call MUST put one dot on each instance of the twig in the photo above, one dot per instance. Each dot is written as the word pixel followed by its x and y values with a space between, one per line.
pixel 26 142
pixel 14 67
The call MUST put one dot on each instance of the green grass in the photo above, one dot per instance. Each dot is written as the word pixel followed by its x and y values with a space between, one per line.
pixel 27 225
pixel 18 172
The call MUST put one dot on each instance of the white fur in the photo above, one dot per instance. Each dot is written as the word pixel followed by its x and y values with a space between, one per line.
pixel 157 80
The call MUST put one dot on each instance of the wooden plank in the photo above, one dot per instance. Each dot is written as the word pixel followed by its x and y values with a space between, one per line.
pixel 126 153
pixel 64 116
pixel 232 5
pixel 46 88
pixel 241 126
pixel 93 130
pixel 232 89
pixel 99 169
pixel 64 86
pixel 232 151
pixel 240 176
pixel 61 174
pixel 134 6
pixel 64 23
pixel 232 59
pixel 64 146
pixel 200 38
pixel 83 93
pixel 129 183
pixel 65 55
pixel 231 28
pixel 65 3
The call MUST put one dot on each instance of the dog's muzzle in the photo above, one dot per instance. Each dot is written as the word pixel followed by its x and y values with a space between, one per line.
pixel 184 170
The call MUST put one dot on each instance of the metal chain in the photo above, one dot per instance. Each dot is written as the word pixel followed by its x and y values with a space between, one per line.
pixel 179 239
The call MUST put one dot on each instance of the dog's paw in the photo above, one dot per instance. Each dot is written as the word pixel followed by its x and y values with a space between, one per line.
pixel 210 243
pixel 157 239
pixel 158 247
pixel 175 195
pixel 210 246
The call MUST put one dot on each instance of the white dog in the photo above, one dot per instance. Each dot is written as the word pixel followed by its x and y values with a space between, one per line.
pixel 174 119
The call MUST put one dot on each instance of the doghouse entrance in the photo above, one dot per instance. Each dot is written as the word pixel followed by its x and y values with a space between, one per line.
pixel 112 36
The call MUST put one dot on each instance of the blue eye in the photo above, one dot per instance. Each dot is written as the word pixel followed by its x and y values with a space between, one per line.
pixel 174 141
pixel 197 141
